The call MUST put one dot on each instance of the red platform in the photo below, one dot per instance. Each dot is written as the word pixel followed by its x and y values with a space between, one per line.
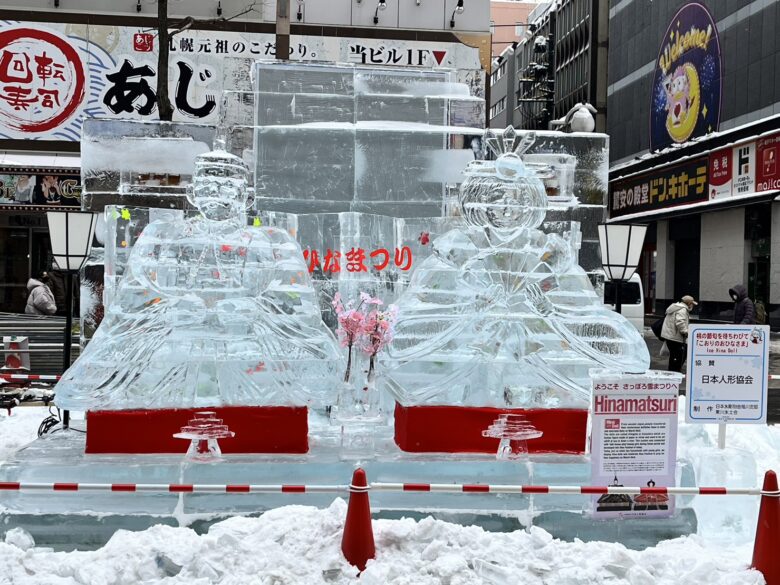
pixel 458 429
pixel 258 429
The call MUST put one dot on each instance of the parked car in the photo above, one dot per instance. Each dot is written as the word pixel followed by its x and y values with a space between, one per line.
pixel 632 299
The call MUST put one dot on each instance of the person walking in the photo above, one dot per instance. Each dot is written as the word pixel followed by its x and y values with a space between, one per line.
pixel 675 330
pixel 744 310
pixel 41 300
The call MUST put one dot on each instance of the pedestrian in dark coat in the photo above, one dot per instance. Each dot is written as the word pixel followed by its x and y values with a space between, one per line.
pixel 744 310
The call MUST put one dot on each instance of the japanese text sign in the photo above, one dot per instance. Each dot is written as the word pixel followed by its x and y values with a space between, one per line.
pixel 53 75
pixel 666 187
pixel 727 373
pixel 634 440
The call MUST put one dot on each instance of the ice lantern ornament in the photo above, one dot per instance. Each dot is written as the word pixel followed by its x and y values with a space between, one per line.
pixel 503 193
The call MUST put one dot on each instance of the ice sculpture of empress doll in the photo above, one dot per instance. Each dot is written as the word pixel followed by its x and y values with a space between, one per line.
pixel 500 319
pixel 210 314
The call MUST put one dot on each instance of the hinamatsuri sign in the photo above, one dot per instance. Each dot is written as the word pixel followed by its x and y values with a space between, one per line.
pixel 358 259
pixel 634 440
pixel 728 373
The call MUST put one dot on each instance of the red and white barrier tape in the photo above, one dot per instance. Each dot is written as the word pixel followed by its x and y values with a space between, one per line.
pixel 562 489
pixel 32 377
pixel 53 378
pixel 173 488
pixel 384 487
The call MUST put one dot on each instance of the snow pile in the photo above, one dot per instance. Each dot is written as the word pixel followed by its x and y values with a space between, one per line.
pixel 19 428
pixel 301 545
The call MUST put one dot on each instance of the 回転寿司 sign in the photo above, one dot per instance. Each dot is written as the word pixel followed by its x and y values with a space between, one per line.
pixel 687 83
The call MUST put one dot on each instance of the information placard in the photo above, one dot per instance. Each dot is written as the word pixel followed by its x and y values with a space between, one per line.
pixel 728 373
pixel 634 440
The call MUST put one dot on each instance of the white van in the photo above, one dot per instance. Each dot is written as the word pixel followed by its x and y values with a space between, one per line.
pixel 633 300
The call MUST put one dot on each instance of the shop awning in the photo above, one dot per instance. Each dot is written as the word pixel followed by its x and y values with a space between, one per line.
pixel 701 207
pixel 33 162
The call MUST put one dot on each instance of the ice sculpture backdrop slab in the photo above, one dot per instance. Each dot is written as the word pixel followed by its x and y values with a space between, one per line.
pixel 346 138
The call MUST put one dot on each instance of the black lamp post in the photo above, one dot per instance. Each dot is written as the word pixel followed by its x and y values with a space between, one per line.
pixel 621 249
pixel 71 234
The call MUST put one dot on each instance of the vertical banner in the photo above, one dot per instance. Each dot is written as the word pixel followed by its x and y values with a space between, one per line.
pixel 634 440
pixel 768 174
pixel 721 174
pixel 728 373
pixel 744 168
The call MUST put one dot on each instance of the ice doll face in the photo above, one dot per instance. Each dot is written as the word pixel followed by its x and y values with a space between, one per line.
pixel 507 199
pixel 219 189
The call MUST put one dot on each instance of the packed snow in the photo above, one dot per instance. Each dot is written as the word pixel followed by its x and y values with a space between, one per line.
pixel 301 545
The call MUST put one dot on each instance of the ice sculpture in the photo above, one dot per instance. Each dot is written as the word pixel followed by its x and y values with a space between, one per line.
pixel 204 432
pixel 209 313
pixel 514 432
pixel 501 317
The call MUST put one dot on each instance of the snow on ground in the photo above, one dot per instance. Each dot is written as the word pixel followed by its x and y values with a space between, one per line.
pixel 19 428
pixel 301 545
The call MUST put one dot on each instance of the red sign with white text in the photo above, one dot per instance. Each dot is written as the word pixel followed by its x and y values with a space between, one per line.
pixel 721 170
pixel 767 167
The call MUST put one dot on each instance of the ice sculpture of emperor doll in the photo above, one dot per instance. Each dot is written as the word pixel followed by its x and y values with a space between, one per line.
pixel 210 314
pixel 501 320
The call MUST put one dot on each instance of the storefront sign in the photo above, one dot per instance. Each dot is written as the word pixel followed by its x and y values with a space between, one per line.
pixel 634 440
pixel 22 189
pixel 768 172
pixel 721 174
pixel 733 171
pixel 727 373
pixel 685 102
pixel 667 187
pixel 744 169
pixel 53 75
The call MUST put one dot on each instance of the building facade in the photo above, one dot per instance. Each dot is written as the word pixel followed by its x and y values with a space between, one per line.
pixel 507 22
pixel 694 102
pixel 61 63
pixel 560 61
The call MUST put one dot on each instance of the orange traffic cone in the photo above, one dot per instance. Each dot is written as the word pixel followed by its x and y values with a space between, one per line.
pixel 765 556
pixel 357 544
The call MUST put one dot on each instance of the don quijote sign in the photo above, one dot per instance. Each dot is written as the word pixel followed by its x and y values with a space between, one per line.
pixel 52 76
pixel 665 187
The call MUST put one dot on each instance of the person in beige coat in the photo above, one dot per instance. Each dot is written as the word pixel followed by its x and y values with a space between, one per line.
pixel 675 330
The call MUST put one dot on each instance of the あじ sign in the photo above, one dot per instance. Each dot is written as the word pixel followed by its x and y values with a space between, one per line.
pixel 685 102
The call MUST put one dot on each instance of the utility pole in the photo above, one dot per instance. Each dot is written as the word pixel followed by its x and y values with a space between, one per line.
pixel 283 30
pixel 164 106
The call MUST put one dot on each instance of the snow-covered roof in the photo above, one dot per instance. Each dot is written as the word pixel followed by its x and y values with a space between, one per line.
pixel 698 140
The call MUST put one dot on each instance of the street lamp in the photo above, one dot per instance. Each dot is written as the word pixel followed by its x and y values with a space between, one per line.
pixel 458 10
pixel 621 248
pixel 71 234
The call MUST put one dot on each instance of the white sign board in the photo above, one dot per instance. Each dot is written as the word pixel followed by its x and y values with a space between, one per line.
pixel 728 373
pixel 53 75
pixel 744 176
pixel 634 440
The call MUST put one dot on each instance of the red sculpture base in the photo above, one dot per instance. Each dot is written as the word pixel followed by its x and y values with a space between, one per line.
pixel 258 429
pixel 458 429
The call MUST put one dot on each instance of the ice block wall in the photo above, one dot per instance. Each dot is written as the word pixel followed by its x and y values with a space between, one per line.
pixel 337 138
pixel 582 165
pixel 125 162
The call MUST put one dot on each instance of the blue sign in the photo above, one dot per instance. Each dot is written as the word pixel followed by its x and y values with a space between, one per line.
pixel 687 83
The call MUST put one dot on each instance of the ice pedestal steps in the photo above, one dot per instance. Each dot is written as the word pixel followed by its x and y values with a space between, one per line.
pixel 60 458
